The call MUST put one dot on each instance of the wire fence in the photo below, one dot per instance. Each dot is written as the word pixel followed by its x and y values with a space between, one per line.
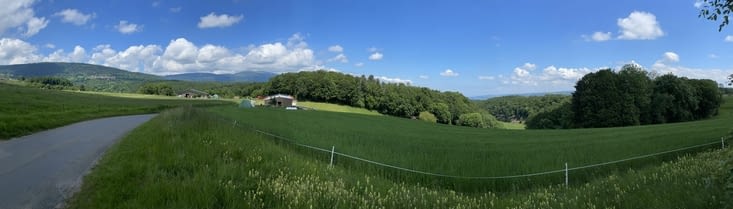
pixel 566 170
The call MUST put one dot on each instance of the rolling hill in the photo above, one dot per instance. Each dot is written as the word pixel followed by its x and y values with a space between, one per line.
pixel 108 79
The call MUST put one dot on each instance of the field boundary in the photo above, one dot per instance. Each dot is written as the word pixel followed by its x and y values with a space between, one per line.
pixel 565 170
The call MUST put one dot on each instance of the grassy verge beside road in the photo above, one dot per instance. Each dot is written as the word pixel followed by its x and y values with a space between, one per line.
pixel 25 110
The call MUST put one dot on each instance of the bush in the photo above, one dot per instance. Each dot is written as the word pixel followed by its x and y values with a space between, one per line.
pixel 471 120
pixel 427 116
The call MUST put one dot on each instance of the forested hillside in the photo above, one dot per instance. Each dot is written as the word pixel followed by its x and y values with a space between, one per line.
pixel 519 108
pixel 387 98
pixel 630 97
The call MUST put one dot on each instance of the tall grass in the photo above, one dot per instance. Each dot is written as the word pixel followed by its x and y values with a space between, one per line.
pixel 187 158
pixel 25 110
pixel 474 152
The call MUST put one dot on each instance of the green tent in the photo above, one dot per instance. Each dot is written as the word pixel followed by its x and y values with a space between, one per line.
pixel 246 103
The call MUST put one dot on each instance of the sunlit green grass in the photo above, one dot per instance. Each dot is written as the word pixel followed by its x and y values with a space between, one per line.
pixel 24 110
pixel 472 152
pixel 512 126
pixel 319 106
pixel 189 158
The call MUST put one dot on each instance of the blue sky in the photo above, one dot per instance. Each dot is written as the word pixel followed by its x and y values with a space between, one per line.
pixel 475 47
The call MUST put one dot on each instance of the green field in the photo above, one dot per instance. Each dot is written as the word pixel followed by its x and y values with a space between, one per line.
pixel 336 108
pixel 188 158
pixel 25 110
pixel 471 152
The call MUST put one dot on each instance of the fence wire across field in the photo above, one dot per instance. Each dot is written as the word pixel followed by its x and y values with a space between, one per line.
pixel 475 177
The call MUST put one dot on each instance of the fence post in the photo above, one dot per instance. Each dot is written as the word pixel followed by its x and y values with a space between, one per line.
pixel 566 174
pixel 235 123
pixel 333 148
pixel 722 142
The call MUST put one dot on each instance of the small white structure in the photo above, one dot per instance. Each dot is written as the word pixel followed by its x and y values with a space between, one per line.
pixel 281 100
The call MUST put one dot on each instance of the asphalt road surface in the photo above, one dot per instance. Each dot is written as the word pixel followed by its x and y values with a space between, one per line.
pixel 43 169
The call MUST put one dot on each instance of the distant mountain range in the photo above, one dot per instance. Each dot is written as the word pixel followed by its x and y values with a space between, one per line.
pixel 246 76
pixel 102 78
pixel 485 97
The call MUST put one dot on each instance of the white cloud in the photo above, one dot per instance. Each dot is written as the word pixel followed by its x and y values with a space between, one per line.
pixel 551 77
pixel 50 46
pixel 728 38
pixel 671 57
pixel 125 27
pixel 448 73
pixel 698 4
pixel 359 64
pixel 77 55
pixel 713 56
pixel 336 48
pixel 598 36
pixel 376 56
pixel 523 71
pixel 35 25
pixel 339 58
pixel 639 26
pixel 490 78
pixel 718 75
pixel 393 80
pixel 73 16
pixel 424 77
pixel 16 51
pixel 19 15
pixel 179 56
pixel 221 21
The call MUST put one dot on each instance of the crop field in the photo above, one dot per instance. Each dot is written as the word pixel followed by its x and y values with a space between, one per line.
pixel 191 158
pixel 471 152
pixel 25 110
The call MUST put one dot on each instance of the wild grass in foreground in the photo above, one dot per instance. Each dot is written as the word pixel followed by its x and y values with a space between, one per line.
pixel 472 152
pixel 187 158
pixel 24 110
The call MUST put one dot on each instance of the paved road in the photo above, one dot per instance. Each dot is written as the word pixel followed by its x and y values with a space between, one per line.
pixel 43 169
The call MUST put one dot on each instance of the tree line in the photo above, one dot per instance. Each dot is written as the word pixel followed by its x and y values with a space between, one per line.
pixel 519 108
pixel 632 96
pixel 394 99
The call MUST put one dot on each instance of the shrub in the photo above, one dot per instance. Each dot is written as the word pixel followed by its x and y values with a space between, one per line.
pixel 427 116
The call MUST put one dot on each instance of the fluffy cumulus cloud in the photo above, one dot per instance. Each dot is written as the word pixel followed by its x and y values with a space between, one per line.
pixel 73 16
pixel 728 38
pixel 359 64
pixel 19 16
pixel 16 51
pixel 35 25
pixel 336 48
pixel 393 80
pixel 339 58
pixel 179 56
pixel 552 77
pixel 639 26
pixel 448 73
pixel 376 56
pixel 125 27
pixel 671 57
pixel 212 20
pixel 598 36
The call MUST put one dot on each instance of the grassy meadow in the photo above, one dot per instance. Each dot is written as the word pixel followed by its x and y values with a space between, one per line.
pixel 24 110
pixel 472 152
pixel 320 106
pixel 189 158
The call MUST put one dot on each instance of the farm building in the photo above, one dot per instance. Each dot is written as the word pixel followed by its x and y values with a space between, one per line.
pixel 280 100
pixel 193 93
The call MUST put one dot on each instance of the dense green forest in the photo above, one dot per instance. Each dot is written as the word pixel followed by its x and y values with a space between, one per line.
pixel 387 98
pixel 631 96
pixel 519 108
